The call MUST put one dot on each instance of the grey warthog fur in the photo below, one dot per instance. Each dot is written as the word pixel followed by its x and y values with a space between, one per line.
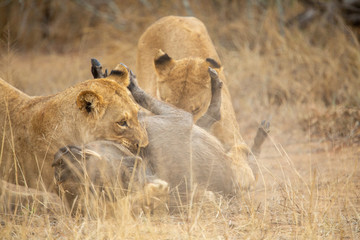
pixel 180 153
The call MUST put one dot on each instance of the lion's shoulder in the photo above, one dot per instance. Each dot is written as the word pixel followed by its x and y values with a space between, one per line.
pixel 35 127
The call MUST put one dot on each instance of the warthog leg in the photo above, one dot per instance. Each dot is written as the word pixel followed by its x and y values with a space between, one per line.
pixel 260 137
pixel 96 69
pixel 213 113
pixel 152 104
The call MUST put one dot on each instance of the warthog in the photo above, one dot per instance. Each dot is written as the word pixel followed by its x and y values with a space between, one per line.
pixel 180 153
pixel 109 170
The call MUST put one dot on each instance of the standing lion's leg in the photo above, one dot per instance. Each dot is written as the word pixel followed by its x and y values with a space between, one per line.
pixel 213 113
pixel 244 161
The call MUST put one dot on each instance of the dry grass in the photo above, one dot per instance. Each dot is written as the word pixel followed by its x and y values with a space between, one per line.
pixel 297 78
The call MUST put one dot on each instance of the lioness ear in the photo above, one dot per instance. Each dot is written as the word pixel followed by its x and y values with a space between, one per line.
pixel 90 102
pixel 120 74
pixel 163 63
pixel 212 63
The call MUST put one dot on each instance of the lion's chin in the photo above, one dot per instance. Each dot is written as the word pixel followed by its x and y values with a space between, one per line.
pixel 130 146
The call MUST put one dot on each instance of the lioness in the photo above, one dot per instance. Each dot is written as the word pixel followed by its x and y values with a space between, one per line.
pixel 172 64
pixel 179 152
pixel 32 129
pixel 173 57
pixel 20 199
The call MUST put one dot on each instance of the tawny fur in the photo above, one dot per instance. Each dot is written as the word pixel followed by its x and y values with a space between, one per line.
pixel 184 80
pixel 187 85
pixel 20 199
pixel 32 129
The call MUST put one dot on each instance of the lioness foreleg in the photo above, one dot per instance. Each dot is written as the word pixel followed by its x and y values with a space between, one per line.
pixel 155 194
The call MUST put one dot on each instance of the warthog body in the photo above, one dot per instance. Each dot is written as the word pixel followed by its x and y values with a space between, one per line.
pixel 179 152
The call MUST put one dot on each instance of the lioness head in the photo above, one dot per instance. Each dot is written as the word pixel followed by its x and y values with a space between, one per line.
pixel 185 83
pixel 112 114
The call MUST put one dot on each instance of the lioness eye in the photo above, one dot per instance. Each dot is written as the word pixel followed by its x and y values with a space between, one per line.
pixel 196 110
pixel 122 123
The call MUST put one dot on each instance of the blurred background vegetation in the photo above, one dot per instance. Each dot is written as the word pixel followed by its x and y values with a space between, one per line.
pixel 294 59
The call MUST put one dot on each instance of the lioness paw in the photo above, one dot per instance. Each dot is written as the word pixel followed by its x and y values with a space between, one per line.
pixel 156 195
pixel 157 188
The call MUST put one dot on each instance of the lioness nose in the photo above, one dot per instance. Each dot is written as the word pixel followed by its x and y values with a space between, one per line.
pixel 143 142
